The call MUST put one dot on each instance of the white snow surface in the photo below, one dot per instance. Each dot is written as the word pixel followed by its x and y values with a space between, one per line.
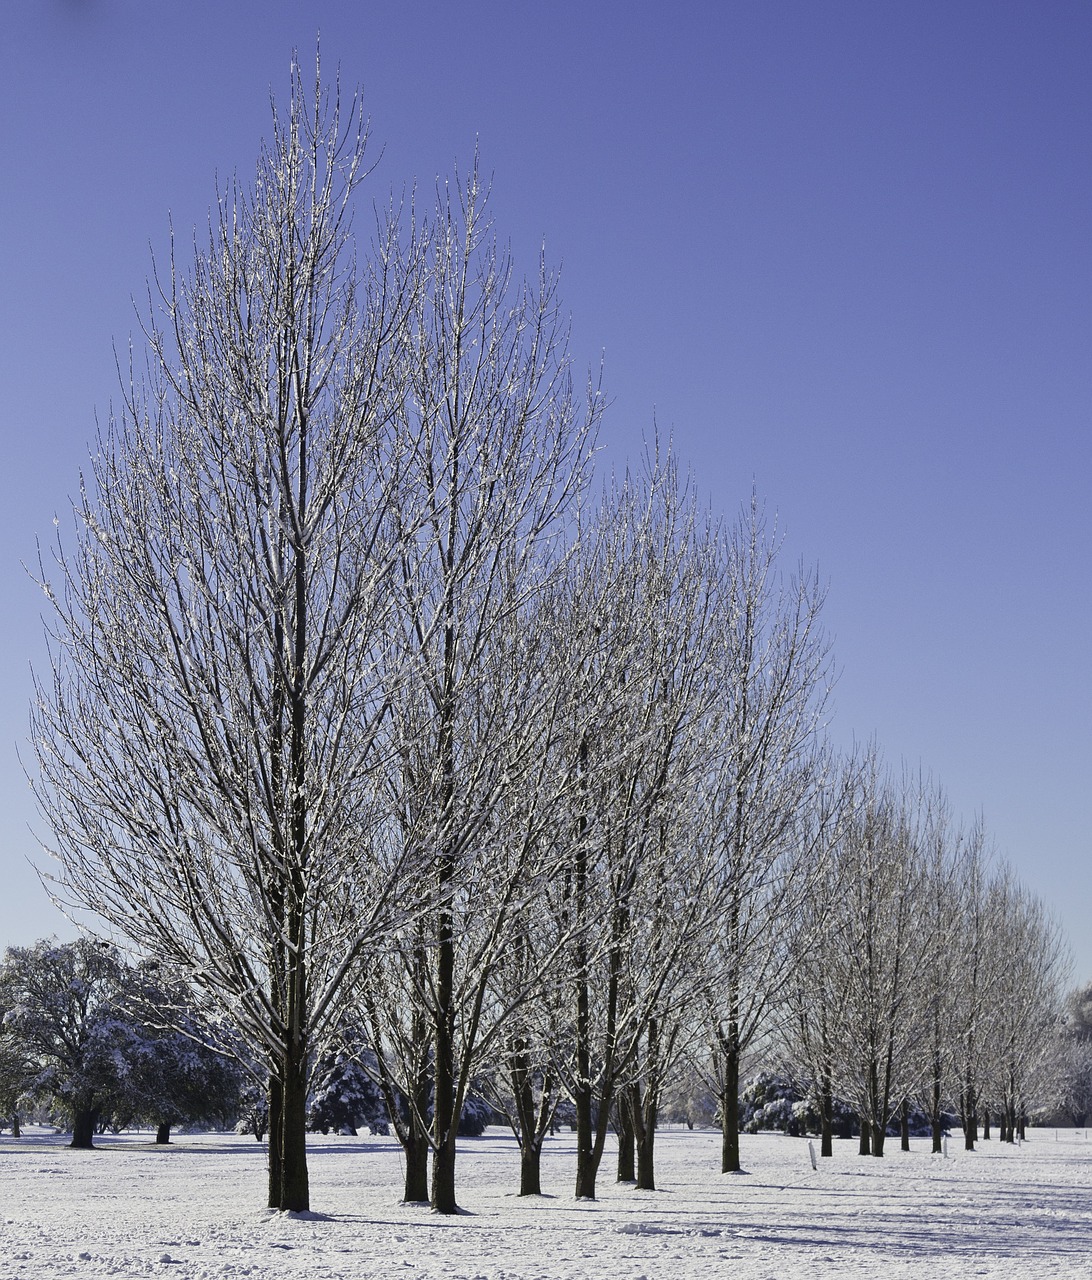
pixel 194 1209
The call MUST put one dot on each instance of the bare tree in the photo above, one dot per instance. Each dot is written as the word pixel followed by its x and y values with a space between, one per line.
pixel 881 952
pixel 944 845
pixel 811 1004
pixel 1025 1001
pixel 642 592
pixel 1074 1053
pixel 206 737
pixel 766 765
pixel 975 963
pixel 496 447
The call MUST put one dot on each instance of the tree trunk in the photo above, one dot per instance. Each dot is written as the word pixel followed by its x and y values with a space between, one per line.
pixel 729 1110
pixel 443 1174
pixel 646 1149
pixel 163 1135
pixel 415 1147
pixel 826 1118
pixel 276 1138
pixel 84 1120
pixel 935 1117
pixel 904 1126
pixel 530 1169
pixel 586 1164
pixel 969 1118
pixel 16 1132
pixel 531 1119
pixel 295 1192
pixel 444 1120
pixel 865 1147
pixel 878 1136
pixel 985 1124
pixel 627 1165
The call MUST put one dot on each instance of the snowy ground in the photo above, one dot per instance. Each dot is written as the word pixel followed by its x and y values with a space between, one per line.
pixel 194 1211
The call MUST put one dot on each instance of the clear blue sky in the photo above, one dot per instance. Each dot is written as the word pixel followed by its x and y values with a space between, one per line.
pixel 841 250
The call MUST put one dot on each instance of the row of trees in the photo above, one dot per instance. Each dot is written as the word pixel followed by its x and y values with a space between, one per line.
pixel 364 716
pixel 926 977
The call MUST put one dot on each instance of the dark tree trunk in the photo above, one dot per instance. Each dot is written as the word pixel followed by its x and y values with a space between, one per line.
pixel 443 1174
pixel 276 1139
pixel 16 1132
pixel 530 1169
pixel 627 1162
pixel 826 1118
pixel 646 1148
pixel 985 1125
pixel 729 1108
pixel 444 1120
pixel 163 1135
pixel 587 1165
pixel 533 1120
pixel 935 1116
pixel 904 1126
pixel 878 1095
pixel 969 1118
pixel 295 1191
pixel 445 1104
pixel 84 1120
pixel 865 1147
pixel 415 1146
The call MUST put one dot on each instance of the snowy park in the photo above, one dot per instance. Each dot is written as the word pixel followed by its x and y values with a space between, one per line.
pixel 189 1211
pixel 508 769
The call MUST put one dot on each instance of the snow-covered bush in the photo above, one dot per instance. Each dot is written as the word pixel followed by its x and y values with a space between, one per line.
pixel 344 1097
pixel 772 1100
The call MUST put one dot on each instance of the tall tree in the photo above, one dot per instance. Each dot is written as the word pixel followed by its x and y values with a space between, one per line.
pixel 496 448
pixel 643 605
pixel 1025 1001
pixel 975 966
pixel 812 1004
pixel 206 737
pixel 765 766
pixel 943 846
pixel 881 952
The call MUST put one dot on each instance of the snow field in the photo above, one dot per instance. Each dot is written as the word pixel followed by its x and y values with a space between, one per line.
pixel 193 1212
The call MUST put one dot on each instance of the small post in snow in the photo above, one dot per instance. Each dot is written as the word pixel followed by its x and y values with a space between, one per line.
pixel 944 1146
pixel 811 1152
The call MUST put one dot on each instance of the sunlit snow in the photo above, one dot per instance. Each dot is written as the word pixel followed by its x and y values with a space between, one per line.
pixel 194 1210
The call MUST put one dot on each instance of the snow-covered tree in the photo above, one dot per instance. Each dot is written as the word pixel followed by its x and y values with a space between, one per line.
pixel 811 1003
pixel 642 606
pixel 766 766
pixel 495 450
pixel 943 845
pixel 344 1095
pixel 977 957
pixel 185 1069
pixel 881 952
pixel 1024 1011
pixel 1074 1056
pixel 64 1022
pixel 205 738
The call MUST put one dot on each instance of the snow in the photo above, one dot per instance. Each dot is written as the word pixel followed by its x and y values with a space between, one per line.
pixel 193 1210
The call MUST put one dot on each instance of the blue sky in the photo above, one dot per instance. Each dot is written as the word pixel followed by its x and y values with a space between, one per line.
pixel 841 252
